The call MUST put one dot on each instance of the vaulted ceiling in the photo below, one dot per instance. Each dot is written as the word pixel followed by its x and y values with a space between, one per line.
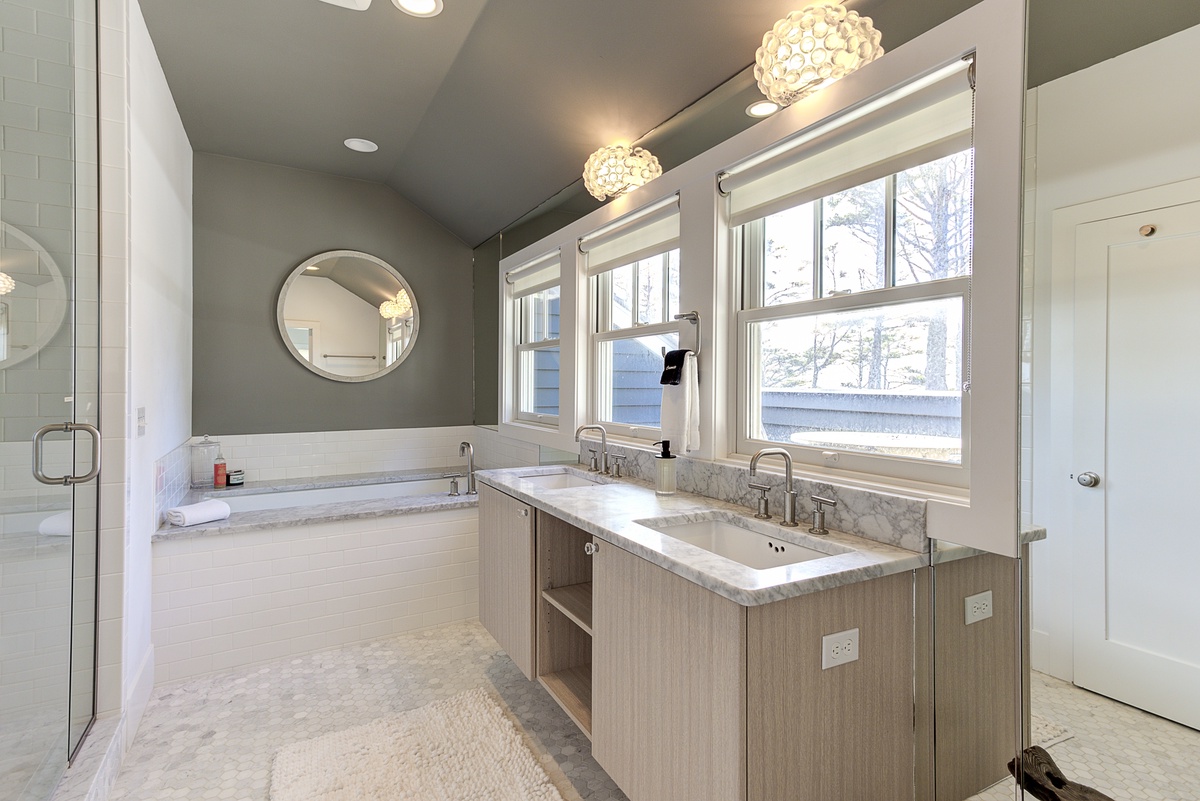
pixel 490 108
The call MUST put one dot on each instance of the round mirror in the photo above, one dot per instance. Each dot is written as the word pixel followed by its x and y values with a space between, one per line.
pixel 348 316
pixel 33 296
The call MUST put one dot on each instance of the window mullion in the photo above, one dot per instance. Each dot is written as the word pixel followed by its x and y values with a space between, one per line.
pixel 818 249
pixel 889 231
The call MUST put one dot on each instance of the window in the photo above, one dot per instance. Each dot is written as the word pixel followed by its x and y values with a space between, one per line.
pixel 536 314
pixel 634 294
pixel 852 319
pixel 854 246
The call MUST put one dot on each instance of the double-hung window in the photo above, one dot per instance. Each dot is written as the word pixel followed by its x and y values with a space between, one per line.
pixel 633 282
pixel 855 262
pixel 535 316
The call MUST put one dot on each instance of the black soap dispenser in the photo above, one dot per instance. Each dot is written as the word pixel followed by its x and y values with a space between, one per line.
pixel 664 480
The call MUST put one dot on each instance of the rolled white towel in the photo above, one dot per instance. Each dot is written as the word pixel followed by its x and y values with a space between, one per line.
pixel 58 525
pixel 196 513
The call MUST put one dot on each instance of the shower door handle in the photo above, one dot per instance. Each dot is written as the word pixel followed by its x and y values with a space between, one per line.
pixel 66 428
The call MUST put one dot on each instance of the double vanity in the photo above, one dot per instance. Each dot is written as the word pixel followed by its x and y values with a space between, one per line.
pixel 708 655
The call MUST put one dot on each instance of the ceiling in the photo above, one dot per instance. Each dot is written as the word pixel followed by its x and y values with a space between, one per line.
pixel 490 108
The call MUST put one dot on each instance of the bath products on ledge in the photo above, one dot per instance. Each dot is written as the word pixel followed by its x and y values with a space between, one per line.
pixel 235 478
pixel 197 513
pixel 664 478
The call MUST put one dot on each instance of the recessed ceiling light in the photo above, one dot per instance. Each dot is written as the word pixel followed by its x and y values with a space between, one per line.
pixel 419 8
pixel 362 145
pixel 763 108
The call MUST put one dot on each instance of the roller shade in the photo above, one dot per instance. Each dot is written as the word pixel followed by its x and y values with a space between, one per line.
pixel 534 276
pixel 647 232
pixel 916 125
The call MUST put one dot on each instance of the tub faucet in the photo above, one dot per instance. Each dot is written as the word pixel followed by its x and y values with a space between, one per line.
pixel 789 495
pixel 603 444
pixel 466 448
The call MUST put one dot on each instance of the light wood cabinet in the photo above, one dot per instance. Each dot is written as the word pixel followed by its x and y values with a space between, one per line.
pixel 669 683
pixel 973 693
pixel 506 581
pixel 687 694
pixel 842 733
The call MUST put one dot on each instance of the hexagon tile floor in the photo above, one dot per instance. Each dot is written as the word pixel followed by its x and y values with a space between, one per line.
pixel 215 737
pixel 1121 751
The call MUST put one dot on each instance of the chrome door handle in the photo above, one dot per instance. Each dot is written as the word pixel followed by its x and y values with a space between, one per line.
pixel 66 428
pixel 590 548
pixel 1088 479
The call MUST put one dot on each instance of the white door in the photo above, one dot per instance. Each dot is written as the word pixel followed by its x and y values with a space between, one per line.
pixel 1137 428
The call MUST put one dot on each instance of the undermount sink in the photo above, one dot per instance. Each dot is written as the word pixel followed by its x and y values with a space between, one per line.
pixel 732 537
pixel 563 480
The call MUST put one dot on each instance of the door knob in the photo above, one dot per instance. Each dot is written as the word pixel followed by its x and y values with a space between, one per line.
pixel 1088 479
pixel 590 548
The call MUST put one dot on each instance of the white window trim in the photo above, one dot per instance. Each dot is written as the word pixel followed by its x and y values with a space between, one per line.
pixel 986 516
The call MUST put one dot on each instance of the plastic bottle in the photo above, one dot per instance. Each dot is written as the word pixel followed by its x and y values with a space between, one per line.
pixel 664 482
pixel 219 475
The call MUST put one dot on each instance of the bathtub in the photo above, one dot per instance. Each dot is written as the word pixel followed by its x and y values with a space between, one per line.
pixel 285 499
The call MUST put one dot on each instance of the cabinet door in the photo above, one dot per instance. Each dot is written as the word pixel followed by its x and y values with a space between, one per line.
pixel 668 675
pixel 506 582
pixel 840 733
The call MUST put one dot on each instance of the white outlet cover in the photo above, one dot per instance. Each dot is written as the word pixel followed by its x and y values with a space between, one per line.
pixel 838 649
pixel 979 607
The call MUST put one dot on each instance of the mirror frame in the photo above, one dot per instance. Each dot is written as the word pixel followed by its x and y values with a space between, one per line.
pixel 281 324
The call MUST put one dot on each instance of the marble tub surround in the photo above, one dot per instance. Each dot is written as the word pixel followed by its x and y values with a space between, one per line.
pixel 881 516
pixel 325 482
pixel 609 511
pixel 300 516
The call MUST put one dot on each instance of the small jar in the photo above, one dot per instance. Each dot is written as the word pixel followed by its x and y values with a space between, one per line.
pixel 235 478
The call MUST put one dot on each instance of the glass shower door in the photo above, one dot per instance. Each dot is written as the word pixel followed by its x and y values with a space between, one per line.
pixel 49 380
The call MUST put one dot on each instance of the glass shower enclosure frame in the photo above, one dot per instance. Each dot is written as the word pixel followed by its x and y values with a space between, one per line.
pixel 49 389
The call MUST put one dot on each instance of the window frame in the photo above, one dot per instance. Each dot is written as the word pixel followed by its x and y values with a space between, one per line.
pixel 749 275
pixel 599 294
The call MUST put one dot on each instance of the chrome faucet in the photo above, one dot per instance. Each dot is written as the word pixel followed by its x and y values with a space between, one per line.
pixel 466 448
pixel 789 495
pixel 603 444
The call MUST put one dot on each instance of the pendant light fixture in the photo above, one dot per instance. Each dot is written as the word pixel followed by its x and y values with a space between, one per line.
pixel 396 307
pixel 812 48
pixel 7 284
pixel 614 170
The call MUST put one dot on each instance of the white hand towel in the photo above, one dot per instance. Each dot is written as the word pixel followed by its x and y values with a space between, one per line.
pixel 203 512
pixel 681 409
pixel 58 525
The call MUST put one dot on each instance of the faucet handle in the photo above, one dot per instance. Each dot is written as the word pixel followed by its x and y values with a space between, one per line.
pixel 764 512
pixel 594 463
pixel 818 518
pixel 616 460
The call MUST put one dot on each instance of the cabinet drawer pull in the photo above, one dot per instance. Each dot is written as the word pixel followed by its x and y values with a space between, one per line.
pixel 590 548
pixel 522 513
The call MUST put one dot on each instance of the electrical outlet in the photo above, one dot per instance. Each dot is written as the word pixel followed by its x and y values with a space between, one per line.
pixel 979 607
pixel 838 649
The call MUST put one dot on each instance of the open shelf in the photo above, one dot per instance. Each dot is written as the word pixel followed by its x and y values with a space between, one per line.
pixel 574 601
pixel 572 689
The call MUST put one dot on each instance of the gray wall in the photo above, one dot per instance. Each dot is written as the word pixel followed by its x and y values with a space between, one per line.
pixel 254 223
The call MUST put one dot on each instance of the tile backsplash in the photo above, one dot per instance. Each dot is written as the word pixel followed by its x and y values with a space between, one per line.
pixel 879 516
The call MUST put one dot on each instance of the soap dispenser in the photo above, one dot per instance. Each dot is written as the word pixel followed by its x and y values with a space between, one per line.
pixel 664 482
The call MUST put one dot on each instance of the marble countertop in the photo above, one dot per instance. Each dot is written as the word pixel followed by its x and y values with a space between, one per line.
pixel 318 513
pixel 610 512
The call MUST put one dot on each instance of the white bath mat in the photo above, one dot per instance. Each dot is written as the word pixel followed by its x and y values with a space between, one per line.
pixel 1045 732
pixel 461 749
